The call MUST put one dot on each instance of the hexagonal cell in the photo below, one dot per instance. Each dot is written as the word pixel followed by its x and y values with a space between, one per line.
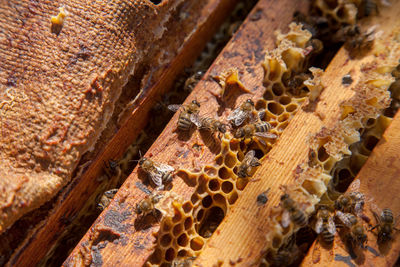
pixel 167 225
pixel 284 100
pixel 187 207
pixel 227 187
pixel 268 95
pixel 169 254
pixel 230 160
pixel 220 199
pixel 213 218
pixel 277 89
pixel 275 108
pixel 207 202
pixel 182 253
pixel 219 160
pixel 177 229
pixel 241 183
pixel 183 240
pixel 188 223
pixel 210 170
pixel 177 216
pixel 233 197
pixel 156 257
pixel 196 243
pixel 214 185
pixel 165 240
pixel 224 173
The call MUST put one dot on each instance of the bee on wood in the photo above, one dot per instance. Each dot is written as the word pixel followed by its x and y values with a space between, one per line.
pixel 183 262
pixel 112 168
pixel 210 124
pixel 158 173
pixel 147 205
pixel 246 166
pixel 356 42
pixel 242 113
pixel 385 224
pixel 188 115
pixel 357 235
pixel 259 129
pixel 314 47
pixel 262 198
pixel 325 226
pixel 292 212
pixel 106 198
pixel 351 202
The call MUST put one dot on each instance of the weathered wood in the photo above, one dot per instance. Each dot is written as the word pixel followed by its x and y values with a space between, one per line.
pixel 380 183
pixel 241 237
pixel 245 51
pixel 81 189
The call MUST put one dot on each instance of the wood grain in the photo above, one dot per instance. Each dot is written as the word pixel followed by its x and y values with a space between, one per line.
pixel 245 51
pixel 240 239
pixel 45 235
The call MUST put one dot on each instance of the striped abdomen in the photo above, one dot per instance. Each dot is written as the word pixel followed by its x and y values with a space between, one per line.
pixel 299 218
pixel 184 122
pixel 327 236
pixel 262 127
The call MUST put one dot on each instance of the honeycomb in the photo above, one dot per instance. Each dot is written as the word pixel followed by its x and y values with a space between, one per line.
pixel 337 154
pixel 337 12
pixel 218 187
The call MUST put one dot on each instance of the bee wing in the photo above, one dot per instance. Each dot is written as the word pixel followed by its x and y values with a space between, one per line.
pixel 355 185
pixel 266 135
pixel 174 107
pixel 163 168
pixel 195 119
pixel 285 219
pixel 344 218
pixel 156 177
pixel 318 226
pixel 331 226
pixel 238 116
pixel 248 158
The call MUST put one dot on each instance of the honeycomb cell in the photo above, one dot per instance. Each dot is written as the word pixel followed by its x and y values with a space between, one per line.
pixel 213 185
pixel 165 240
pixel 207 201
pixel 268 95
pixel 177 229
pixel 275 108
pixel 210 170
pixel 224 173
pixel 241 184
pixel 194 199
pixel 167 226
pixel 227 187
pixel 232 198
pixel 220 199
pixel 278 89
pixel 169 254
pixel 188 223
pixel 187 207
pixel 177 216
pixel 322 155
pixel 214 217
pixel 156 257
pixel 183 240
pixel 230 160
pixel 291 107
pixel 370 142
pixel 283 117
pixel 234 145
pixel 284 100
pixel 196 243
pixel 182 253
pixel 200 215
pixel 219 160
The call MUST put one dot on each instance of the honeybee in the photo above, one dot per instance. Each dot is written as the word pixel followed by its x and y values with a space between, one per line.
pixel 287 254
pixel 158 173
pixel 249 162
pixel 183 262
pixel 106 198
pixel 146 206
pixel 191 82
pixel 240 114
pixel 352 202
pixel 210 124
pixel 356 42
pixel 357 235
pixel 188 115
pixel 112 169
pixel 325 226
pixel 296 83
pixel 385 224
pixel 259 129
pixel 292 212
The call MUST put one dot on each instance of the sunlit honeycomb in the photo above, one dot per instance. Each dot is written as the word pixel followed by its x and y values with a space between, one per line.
pixel 337 12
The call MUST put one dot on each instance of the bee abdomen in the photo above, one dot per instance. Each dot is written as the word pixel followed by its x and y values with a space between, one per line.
pixel 263 127
pixel 184 122
pixel 387 215
pixel 327 236
pixel 166 177
pixel 299 218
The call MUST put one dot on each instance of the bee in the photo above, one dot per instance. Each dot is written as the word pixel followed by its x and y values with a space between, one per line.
pixel 292 212
pixel 259 129
pixel 158 173
pixel 325 226
pixel 314 47
pixel 106 198
pixel 243 112
pixel 246 166
pixel 356 42
pixel 191 82
pixel 386 225
pixel 262 198
pixel 288 254
pixel 112 169
pixel 295 83
pixel 351 202
pixel 147 205
pixel 183 262
pixel 188 115
pixel 210 124
pixel 357 235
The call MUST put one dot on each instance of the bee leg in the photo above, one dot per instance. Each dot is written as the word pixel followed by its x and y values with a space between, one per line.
pixel 373 228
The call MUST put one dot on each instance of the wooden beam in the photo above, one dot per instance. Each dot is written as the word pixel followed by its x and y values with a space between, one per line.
pixel 242 236
pixel 84 188
pixel 245 51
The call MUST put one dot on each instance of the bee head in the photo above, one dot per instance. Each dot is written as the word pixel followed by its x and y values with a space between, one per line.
pixel 195 102
pixel 249 101
pixel 221 127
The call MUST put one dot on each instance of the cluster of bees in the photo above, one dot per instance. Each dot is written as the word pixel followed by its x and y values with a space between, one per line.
pixel 161 174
